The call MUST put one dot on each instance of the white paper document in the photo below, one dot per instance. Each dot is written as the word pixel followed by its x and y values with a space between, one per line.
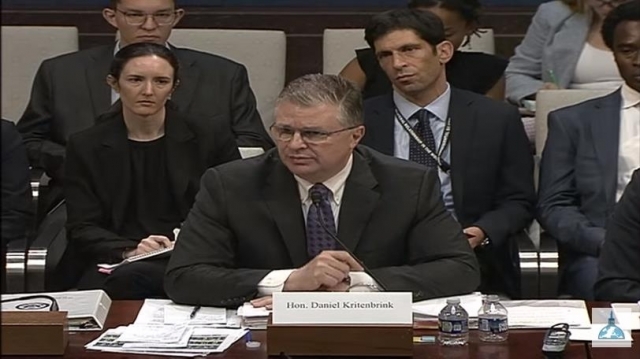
pixel 177 314
pixel 153 333
pixel 202 341
pixel 153 312
pixel 545 313
pixel 627 315
pixel 87 309
pixel 432 307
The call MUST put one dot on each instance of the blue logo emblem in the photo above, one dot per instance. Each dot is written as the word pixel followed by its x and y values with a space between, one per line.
pixel 611 330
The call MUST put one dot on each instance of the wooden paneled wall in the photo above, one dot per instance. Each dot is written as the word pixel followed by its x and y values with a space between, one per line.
pixel 303 26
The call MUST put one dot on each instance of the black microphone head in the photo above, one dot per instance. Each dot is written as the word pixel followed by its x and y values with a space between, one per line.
pixel 316 197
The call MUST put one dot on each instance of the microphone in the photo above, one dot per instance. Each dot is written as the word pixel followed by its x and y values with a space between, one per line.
pixel 316 198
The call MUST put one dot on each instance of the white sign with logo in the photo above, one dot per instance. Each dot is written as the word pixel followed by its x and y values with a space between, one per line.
pixel 342 308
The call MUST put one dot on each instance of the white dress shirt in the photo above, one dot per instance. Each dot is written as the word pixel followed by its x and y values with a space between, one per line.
pixel 274 281
pixel 629 145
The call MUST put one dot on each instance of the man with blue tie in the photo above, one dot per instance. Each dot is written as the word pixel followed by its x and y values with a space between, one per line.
pixel 270 223
pixel 591 152
pixel 478 146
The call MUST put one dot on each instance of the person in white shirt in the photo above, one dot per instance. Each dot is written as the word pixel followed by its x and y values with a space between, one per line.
pixel 589 157
pixel 270 223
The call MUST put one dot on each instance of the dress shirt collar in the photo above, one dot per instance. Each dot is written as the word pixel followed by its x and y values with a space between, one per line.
pixel 439 107
pixel 630 97
pixel 335 184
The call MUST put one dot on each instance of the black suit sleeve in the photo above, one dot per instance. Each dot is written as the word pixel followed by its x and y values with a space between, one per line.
pixel 87 219
pixel 17 210
pixel 515 199
pixel 207 259
pixel 246 122
pixel 619 277
pixel 440 260
pixel 35 127
pixel 558 200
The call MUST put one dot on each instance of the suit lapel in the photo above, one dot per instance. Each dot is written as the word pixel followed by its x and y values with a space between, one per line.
pixel 563 55
pixel 183 158
pixel 358 202
pixel 96 73
pixel 283 199
pixel 380 127
pixel 114 158
pixel 189 80
pixel 605 131
pixel 463 122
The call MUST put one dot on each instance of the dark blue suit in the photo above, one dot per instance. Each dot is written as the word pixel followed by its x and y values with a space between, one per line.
pixel 491 176
pixel 578 186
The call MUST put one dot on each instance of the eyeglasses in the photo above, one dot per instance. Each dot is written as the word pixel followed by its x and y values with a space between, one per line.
pixel 286 133
pixel 138 18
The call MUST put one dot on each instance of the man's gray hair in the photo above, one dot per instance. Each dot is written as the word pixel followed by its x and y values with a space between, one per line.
pixel 317 89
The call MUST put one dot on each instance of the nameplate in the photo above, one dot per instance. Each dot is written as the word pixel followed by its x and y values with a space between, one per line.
pixel 342 308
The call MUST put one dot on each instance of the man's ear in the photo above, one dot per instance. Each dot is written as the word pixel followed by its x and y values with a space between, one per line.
pixel 110 15
pixel 113 83
pixel 357 135
pixel 445 51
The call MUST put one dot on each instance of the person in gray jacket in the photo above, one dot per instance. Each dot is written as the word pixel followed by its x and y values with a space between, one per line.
pixel 563 48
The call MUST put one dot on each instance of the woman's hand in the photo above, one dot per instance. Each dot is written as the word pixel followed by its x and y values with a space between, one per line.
pixel 149 244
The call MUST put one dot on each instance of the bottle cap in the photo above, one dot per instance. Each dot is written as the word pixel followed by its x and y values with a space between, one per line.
pixel 453 301
pixel 252 345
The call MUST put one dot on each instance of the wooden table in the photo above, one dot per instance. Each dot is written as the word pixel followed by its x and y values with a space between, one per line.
pixel 522 344
pixel 618 353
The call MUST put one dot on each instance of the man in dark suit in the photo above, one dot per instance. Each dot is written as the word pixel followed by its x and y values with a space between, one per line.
pixel 619 273
pixel 591 151
pixel 245 235
pixel 70 91
pixel 477 145
pixel 17 210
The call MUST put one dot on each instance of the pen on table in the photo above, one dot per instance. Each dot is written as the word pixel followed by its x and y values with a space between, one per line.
pixel 553 78
pixel 194 312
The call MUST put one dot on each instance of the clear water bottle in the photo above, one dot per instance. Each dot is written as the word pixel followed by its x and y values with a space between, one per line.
pixel 493 325
pixel 453 324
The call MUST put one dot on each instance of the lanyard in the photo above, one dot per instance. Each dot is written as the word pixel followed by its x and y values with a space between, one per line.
pixel 442 164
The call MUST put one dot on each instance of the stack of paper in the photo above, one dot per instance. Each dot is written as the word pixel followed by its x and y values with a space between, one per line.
pixel 164 311
pixel 181 340
pixel 165 328
pixel 545 313
pixel 253 318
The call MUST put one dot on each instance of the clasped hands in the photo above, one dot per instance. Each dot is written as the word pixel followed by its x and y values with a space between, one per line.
pixel 328 271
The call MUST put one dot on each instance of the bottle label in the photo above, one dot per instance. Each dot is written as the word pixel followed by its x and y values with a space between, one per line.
pixel 493 325
pixel 453 326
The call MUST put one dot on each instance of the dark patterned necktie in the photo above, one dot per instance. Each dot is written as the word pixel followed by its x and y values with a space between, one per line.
pixel 318 239
pixel 423 130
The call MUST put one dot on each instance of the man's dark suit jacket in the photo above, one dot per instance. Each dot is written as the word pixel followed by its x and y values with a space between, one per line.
pixel 577 191
pixel 98 173
pixel 248 221
pixel 17 208
pixel 491 176
pixel 619 271
pixel 70 92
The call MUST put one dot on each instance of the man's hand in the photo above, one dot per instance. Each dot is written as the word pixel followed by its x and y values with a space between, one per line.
pixel 263 302
pixel 326 270
pixel 149 244
pixel 475 235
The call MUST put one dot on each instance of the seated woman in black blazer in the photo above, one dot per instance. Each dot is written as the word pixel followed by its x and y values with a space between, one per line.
pixel 132 178
pixel 472 71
